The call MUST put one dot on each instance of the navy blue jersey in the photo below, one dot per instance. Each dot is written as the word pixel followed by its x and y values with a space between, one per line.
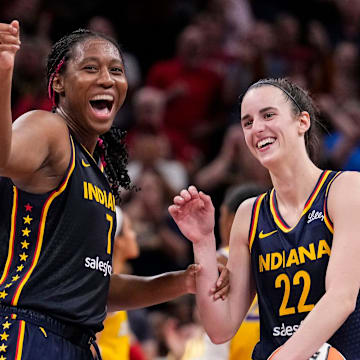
pixel 55 248
pixel 289 266
pixel 27 335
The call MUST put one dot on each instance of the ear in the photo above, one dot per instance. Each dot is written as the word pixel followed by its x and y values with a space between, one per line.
pixel 58 84
pixel 304 122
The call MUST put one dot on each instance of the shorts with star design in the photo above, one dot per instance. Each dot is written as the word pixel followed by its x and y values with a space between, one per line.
pixel 30 335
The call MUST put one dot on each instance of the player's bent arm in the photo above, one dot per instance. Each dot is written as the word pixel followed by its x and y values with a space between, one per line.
pixel 239 262
pixel 342 276
pixel 343 273
pixel 5 117
pixel 130 292
pixel 32 149
pixel 222 319
pixel 39 152
pixel 9 45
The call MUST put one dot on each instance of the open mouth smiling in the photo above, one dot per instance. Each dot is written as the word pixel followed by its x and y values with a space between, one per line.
pixel 265 142
pixel 102 104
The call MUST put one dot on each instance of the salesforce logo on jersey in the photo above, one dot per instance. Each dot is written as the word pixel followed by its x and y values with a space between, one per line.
pixel 284 330
pixel 99 265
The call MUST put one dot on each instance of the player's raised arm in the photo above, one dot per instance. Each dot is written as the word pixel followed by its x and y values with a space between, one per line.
pixel 9 45
pixel 194 214
pixel 32 150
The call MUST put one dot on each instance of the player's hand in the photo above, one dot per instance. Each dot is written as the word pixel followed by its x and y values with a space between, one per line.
pixel 9 44
pixel 222 286
pixel 190 277
pixel 193 212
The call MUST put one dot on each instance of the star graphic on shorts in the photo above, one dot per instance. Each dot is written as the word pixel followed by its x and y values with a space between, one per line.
pixel 4 336
pixel 15 278
pixel 3 294
pixel 27 219
pixel 6 325
pixel 25 244
pixel 20 268
pixel 3 347
pixel 8 285
pixel 26 232
pixel 23 256
pixel 28 207
pixel 2 357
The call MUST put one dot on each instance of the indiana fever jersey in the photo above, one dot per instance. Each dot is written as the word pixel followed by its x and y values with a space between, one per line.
pixel 55 248
pixel 289 266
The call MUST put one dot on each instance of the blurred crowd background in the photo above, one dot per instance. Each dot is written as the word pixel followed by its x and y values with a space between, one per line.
pixel 187 62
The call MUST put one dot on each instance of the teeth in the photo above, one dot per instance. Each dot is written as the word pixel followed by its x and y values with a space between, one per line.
pixel 102 97
pixel 264 142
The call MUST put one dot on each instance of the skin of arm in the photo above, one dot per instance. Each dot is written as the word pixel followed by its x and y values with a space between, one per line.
pixel 342 276
pixel 152 290
pixel 40 152
pixel 10 44
pixel 130 291
pixel 194 214
pixel 32 151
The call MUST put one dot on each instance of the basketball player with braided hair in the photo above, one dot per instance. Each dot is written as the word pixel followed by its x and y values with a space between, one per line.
pixel 61 173
pixel 110 147
pixel 296 245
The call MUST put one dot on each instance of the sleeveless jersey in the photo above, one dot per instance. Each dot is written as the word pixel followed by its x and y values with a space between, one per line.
pixel 289 266
pixel 55 248
pixel 114 340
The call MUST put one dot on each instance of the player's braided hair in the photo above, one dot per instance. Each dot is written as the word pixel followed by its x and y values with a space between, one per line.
pixel 110 148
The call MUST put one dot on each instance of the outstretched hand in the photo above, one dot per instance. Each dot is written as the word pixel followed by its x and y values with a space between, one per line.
pixel 193 212
pixel 221 288
pixel 9 44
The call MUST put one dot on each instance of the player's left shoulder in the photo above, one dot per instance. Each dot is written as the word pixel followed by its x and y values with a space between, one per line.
pixel 347 182
pixel 344 196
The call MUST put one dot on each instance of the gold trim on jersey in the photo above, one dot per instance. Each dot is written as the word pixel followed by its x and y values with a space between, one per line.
pixel 87 151
pixel 12 236
pixel 255 219
pixel 276 216
pixel 20 342
pixel 42 223
pixel 100 166
pixel 327 220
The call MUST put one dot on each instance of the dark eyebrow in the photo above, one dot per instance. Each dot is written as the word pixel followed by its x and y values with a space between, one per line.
pixel 267 109
pixel 261 111
pixel 91 58
pixel 94 58
pixel 245 117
